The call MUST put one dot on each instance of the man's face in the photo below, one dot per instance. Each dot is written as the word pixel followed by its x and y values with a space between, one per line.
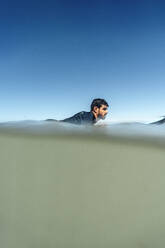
pixel 102 112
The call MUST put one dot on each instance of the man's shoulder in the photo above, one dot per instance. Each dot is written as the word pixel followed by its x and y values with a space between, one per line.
pixel 84 114
pixel 82 117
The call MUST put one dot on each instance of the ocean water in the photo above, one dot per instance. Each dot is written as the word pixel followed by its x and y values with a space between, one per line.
pixel 71 186
pixel 51 128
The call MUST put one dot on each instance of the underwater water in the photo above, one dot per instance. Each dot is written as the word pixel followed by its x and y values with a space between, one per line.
pixel 70 186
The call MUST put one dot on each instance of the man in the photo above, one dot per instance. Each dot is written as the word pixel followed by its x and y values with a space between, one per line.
pixel 99 110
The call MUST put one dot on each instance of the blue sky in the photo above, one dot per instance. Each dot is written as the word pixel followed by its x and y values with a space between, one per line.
pixel 56 56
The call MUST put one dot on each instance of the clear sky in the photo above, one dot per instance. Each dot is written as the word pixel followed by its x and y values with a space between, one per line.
pixel 57 55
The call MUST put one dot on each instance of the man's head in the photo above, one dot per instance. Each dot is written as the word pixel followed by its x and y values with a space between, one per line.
pixel 99 108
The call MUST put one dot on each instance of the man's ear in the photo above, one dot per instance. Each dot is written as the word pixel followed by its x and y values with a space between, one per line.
pixel 95 109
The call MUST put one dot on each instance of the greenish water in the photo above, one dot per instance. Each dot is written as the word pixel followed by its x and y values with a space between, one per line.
pixel 74 192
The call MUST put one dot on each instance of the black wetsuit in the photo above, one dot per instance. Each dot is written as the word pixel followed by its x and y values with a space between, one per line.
pixel 81 118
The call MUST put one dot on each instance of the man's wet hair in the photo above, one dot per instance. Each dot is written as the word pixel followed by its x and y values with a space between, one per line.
pixel 98 102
